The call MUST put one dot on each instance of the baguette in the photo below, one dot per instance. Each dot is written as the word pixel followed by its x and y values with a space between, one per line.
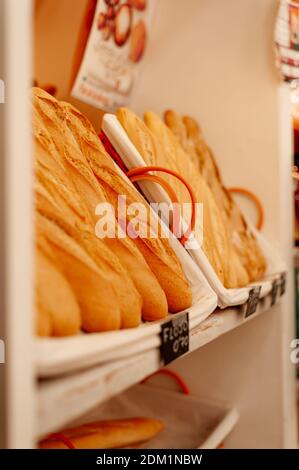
pixel 57 200
pixel 250 262
pixel 112 434
pixel 216 244
pixel 154 304
pixel 236 273
pixel 158 146
pixel 57 310
pixel 124 291
pixel 156 250
pixel 99 308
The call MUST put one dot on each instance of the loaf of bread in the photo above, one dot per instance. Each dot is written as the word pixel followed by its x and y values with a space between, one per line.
pixel 112 434
pixel 155 249
pixel 56 199
pixel 98 305
pixel 90 192
pixel 246 251
pixel 158 146
pixel 57 310
pixel 216 242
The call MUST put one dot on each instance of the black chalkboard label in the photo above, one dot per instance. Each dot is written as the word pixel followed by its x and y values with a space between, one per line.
pixel 283 283
pixel 175 338
pixel 252 301
pixel 275 290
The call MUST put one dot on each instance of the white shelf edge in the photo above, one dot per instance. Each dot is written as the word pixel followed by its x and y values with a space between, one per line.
pixel 64 399
pixel 224 428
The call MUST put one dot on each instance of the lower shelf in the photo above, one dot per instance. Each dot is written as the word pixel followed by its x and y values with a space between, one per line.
pixel 189 422
pixel 62 400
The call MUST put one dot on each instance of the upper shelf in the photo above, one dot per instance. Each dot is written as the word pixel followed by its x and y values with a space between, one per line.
pixel 61 400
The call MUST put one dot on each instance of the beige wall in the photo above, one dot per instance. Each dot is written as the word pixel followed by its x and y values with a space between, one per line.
pixel 57 25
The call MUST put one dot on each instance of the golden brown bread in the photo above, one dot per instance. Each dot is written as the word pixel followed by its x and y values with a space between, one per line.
pixel 112 434
pixel 99 307
pixel 90 192
pixel 249 260
pixel 216 244
pixel 57 311
pixel 158 146
pixel 156 250
pixel 57 199
pixel 43 324
pixel 120 286
pixel 236 274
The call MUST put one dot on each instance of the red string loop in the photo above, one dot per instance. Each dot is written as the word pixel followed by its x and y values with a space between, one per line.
pixel 61 437
pixel 170 373
pixel 140 172
pixel 144 170
pixel 255 200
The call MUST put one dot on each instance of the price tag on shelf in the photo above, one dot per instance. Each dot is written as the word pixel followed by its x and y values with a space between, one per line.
pixel 274 292
pixel 175 338
pixel 283 283
pixel 253 300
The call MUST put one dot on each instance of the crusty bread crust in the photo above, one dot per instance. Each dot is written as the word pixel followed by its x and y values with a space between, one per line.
pixel 111 434
pixel 57 310
pixel 57 199
pixel 158 146
pixel 247 258
pixel 90 192
pixel 157 252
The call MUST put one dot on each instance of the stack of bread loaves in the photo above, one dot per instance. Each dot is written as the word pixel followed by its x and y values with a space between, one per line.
pixel 178 145
pixel 83 281
pixel 244 243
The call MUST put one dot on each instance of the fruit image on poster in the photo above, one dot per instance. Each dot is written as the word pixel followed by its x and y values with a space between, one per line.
pixel 114 50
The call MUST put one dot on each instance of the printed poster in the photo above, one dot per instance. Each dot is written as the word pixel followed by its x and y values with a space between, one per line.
pixel 114 51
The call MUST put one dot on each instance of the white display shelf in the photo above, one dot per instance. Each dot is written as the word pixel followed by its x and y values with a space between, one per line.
pixel 62 400
pixel 56 357
pixel 59 356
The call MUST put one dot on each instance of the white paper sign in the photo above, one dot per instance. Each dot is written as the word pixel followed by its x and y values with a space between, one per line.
pixel 114 50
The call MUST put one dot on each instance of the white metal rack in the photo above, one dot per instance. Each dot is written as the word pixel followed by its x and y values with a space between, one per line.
pixel 222 52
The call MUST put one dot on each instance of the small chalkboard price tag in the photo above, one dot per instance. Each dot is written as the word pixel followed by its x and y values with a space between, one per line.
pixel 275 291
pixel 283 283
pixel 252 301
pixel 175 338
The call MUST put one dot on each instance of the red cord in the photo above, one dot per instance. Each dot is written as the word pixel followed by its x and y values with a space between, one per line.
pixel 170 373
pixel 176 211
pixel 143 170
pixel 112 152
pixel 256 201
pixel 159 180
pixel 61 437
pixel 139 171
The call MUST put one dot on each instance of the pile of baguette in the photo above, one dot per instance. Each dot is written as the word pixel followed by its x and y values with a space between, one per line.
pixel 83 282
pixel 178 144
